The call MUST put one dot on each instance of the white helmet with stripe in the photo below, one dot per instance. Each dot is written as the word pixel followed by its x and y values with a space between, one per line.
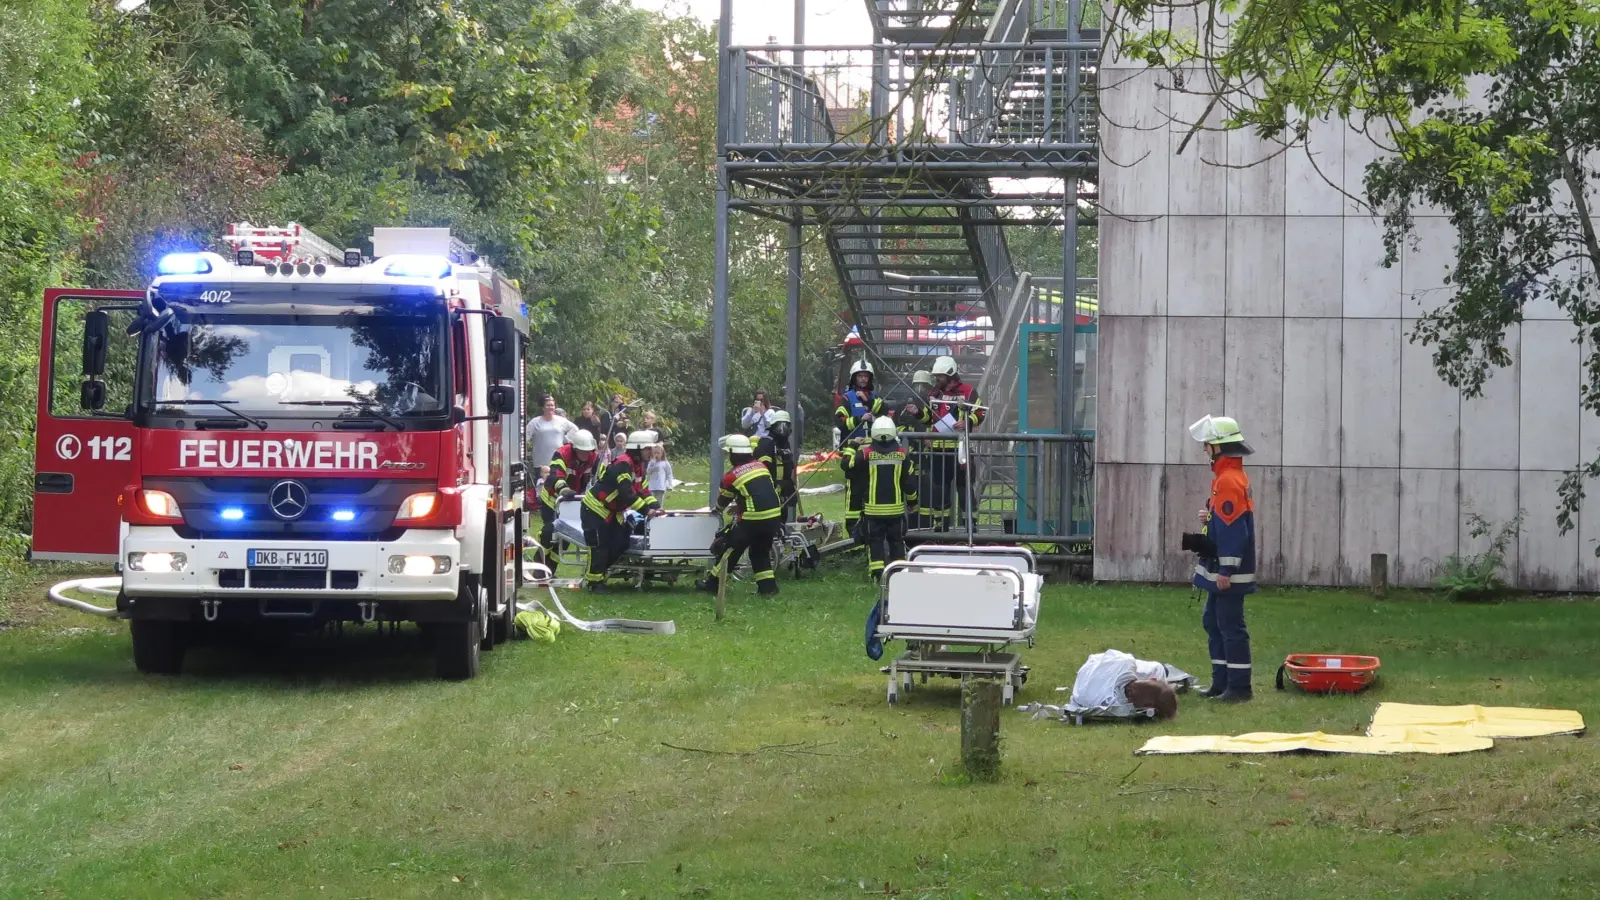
pixel 584 441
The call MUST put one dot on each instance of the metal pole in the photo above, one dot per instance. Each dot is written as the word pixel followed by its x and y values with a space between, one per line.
pixel 719 296
pixel 1067 347
pixel 791 378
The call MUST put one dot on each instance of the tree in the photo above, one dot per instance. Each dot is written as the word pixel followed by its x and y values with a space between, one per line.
pixel 1490 111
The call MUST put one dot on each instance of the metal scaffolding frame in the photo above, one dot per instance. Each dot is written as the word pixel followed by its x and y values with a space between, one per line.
pixel 890 150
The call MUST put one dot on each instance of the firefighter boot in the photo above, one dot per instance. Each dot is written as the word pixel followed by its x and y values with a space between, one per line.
pixel 1239 689
pixel 708 584
pixel 767 587
pixel 1219 681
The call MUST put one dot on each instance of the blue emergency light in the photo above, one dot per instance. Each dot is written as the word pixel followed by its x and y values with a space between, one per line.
pixel 344 515
pixel 233 514
pixel 418 267
pixel 184 264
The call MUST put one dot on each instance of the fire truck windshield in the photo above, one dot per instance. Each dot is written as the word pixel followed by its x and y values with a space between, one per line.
pixel 273 364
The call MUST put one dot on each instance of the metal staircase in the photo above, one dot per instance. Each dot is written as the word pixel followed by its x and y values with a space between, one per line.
pixel 911 155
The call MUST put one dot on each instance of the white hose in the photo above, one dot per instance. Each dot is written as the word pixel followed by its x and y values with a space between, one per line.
pixel 102 587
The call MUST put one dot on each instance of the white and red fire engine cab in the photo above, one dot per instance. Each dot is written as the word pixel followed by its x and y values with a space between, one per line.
pixel 294 434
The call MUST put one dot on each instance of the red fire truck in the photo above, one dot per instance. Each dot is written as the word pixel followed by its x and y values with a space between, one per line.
pixel 294 434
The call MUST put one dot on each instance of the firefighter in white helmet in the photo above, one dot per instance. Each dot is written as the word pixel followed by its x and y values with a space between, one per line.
pixel 859 404
pixel 618 488
pixel 1226 566
pixel 888 480
pixel 570 468
pixel 951 409
pixel 776 452
pixel 749 490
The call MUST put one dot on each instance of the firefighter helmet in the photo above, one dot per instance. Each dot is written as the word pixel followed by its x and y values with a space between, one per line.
pixel 584 441
pixel 1221 431
pixel 638 440
pixel 883 429
pixel 777 416
pixel 921 376
pixel 736 443
pixel 944 365
pixel 860 366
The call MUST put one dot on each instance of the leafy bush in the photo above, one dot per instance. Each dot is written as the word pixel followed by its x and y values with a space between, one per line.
pixel 1476 576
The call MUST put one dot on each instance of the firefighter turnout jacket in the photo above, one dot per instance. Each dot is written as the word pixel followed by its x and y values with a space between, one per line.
pixel 566 471
pixel 1231 525
pixel 750 485
pixel 618 486
pixel 943 403
pixel 886 478
pixel 856 411
pixel 779 461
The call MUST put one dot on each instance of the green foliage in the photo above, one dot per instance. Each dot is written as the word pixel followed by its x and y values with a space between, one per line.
pixel 1476 576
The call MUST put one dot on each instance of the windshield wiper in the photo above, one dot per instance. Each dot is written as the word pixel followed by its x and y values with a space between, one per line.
pixel 352 404
pixel 224 405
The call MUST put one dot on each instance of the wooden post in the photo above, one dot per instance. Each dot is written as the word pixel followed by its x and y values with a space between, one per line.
pixel 1380 574
pixel 722 585
pixel 980 728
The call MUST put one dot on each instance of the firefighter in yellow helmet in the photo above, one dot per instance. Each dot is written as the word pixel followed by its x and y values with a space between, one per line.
pixel 889 484
pixel 1226 566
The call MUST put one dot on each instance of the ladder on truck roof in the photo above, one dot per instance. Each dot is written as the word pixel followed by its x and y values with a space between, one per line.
pixel 290 243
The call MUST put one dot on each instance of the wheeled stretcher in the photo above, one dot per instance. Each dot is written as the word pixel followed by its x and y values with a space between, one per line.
pixel 947 596
pixel 676 544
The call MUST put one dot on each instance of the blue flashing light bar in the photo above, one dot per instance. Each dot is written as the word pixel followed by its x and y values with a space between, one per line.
pixel 418 267
pixel 184 264
pixel 233 514
pixel 344 515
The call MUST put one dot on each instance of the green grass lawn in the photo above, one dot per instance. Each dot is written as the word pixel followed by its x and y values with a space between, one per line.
pixel 345 770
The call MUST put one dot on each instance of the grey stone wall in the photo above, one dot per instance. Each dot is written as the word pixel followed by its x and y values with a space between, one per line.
pixel 1257 291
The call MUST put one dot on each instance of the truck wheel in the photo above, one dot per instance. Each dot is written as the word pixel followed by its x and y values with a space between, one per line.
pixel 158 647
pixel 457 644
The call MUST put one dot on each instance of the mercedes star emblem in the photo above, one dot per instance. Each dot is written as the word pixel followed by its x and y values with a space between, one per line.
pixel 287 499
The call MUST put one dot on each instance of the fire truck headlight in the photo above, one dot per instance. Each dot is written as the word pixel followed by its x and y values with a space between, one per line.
pixel 157 563
pixel 160 504
pixel 419 565
pixel 418 506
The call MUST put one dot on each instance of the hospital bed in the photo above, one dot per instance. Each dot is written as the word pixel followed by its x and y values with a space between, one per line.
pixel 948 596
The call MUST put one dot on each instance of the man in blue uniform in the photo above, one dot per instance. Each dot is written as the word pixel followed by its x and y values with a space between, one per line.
pixel 1227 570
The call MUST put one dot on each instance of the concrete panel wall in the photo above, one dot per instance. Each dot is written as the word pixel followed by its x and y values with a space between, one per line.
pixel 1258 291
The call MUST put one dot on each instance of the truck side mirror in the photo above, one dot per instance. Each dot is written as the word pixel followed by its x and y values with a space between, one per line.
pixel 92 395
pixel 96 337
pixel 501 335
pixel 502 400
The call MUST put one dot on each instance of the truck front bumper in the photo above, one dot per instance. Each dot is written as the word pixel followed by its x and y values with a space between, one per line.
pixel 357 571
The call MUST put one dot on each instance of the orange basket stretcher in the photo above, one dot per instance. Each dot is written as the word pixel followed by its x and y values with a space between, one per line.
pixel 1329 673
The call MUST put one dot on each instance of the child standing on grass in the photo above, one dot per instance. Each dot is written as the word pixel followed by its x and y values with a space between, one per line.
pixel 658 474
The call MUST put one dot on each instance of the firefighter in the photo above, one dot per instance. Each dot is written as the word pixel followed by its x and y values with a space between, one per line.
pixel 617 488
pixel 913 416
pixel 858 405
pixel 749 489
pixel 948 475
pixel 855 491
pixel 1229 518
pixel 570 468
pixel 777 453
pixel 889 483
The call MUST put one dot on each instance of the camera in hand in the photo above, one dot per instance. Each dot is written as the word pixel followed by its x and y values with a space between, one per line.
pixel 1199 543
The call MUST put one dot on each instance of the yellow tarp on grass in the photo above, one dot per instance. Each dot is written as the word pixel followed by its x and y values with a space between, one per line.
pixel 1276 742
pixel 1395 728
pixel 1480 721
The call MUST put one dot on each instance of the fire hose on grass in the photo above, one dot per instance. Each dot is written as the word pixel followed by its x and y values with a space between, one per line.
pixel 101 586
